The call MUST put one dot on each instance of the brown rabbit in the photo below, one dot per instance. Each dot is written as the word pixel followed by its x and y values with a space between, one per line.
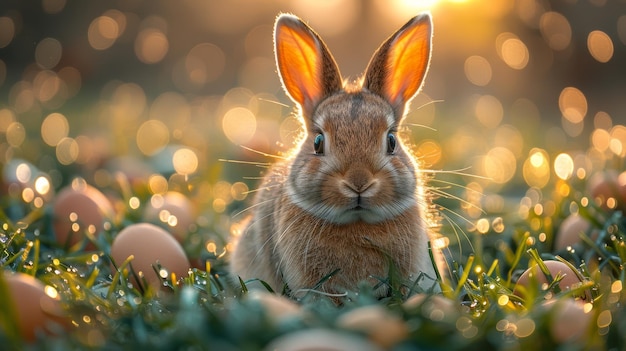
pixel 351 199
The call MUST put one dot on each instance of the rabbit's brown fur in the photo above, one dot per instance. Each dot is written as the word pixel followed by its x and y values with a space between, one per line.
pixel 356 203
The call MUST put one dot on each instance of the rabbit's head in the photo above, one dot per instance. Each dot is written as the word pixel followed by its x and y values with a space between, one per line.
pixel 352 166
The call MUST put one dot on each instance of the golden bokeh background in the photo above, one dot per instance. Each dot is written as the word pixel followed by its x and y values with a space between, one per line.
pixel 522 95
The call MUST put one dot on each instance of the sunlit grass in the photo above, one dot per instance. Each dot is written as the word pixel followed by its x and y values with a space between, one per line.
pixel 173 118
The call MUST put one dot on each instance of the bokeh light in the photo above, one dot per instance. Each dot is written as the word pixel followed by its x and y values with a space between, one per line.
pixel 499 165
pixel 618 140
pixel 53 6
pixel 152 137
pixel 563 166
pixel 67 151
pixel 15 134
pixel 185 161
pixel 489 111
pixel 556 30
pixel 512 50
pixel 573 105
pixel 103 32
pixel 54 128
pixel 536 169
pixel 151 46
pixel 478 70
pixel 239 125
pixel 203 64
pixel 7 31
pixel 48 53
pixel 600 46
pixel 521 103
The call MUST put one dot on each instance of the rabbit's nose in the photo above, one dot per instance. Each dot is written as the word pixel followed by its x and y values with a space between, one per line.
pixel 359 181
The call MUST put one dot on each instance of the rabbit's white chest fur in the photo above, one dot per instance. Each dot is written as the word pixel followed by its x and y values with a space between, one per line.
pixel 351 200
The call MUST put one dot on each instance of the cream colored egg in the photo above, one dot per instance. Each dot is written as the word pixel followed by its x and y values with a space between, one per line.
pixel 603 189
pixel 37 306
pixel 381 326
pixel 80 208
pixel 570 278
pixel 570 230
pixel 277 307
pixel 569 321
pixel 150 244
pixel 174 211
pixel 320 340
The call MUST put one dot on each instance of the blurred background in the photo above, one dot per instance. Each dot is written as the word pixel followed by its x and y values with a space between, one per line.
pixel 521 94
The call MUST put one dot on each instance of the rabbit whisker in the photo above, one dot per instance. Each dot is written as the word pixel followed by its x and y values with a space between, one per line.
pixel 263 153
pixel 456 229
pixel 273 102
pixel 264 164
pixel 418 126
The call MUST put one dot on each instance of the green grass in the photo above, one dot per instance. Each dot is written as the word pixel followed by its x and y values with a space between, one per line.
pixel 206 310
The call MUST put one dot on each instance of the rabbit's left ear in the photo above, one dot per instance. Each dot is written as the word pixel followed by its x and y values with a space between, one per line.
pixel 397 69
pixel 307 69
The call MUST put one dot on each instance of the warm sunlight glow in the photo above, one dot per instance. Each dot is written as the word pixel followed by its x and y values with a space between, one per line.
pixel 42 185
pixel 499 165
pixel 478 70
pixel 152 136
pixel 185 161
pixel 536 169
pixel 239 125
pixel 564 166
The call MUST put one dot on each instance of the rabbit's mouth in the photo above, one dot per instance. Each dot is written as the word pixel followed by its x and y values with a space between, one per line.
pixel 358 213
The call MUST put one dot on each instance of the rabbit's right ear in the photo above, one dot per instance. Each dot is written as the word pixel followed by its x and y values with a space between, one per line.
pixel 397 69
pixel 307 69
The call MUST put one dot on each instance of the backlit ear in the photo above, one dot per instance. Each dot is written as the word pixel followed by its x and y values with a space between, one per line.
pixel 307 69
pixel 398 67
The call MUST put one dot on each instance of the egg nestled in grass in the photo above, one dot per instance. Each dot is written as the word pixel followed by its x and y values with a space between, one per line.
pixel 570 321
pixel 150 247
pixel 570 231
pixel 381 326
pixel 36 306
pixel 80 210
pixel 174 211
pixel 608 190
pixel 534 274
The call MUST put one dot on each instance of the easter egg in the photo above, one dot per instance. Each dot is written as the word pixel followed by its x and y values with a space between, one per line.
pixel 174 211
pixel 150 244
pixel 382 327
pixel 277 307
pixel 570 230
pixel 570 279
pixel 569 321
pixel 37 307
pixel 603 189
pixel 320 339
pixel 77 209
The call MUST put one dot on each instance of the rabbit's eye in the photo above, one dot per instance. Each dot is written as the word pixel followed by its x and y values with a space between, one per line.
pixel 391 143
pixel 318 144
